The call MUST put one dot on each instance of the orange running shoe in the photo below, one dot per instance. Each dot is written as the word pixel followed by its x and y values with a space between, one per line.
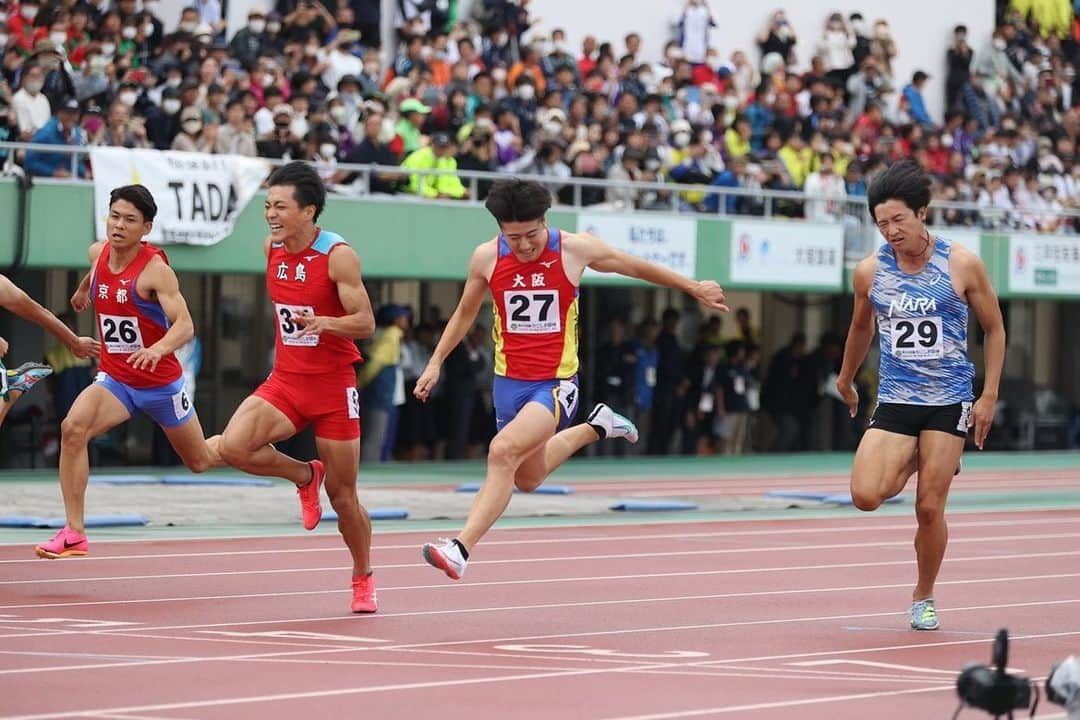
pixel 310 507
pixel 363 594
pixel 66 543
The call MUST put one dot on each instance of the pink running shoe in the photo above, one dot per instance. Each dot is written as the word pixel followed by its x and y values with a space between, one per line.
pixel 310 508
pixel 363 594
pixel 66 543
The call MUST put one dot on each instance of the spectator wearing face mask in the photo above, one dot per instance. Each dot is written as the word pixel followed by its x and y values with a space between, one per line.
pixel 827 190
pixel 31 107
pixel 251 41
pixel 21 31
pixel 193 136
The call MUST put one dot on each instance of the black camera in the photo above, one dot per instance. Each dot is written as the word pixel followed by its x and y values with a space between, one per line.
pixel 994 690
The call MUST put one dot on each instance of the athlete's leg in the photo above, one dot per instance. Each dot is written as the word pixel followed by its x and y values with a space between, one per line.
pixel 192 447
pixel 5 405
pixel 545 460
pixel 939 453
pixel 341 458
pixel 96 410
pixel 883 463
pixel 533 426
pixel 246 442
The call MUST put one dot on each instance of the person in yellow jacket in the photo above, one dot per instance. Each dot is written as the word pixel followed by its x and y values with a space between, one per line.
pixel 382 384
pixel 439 155
pixel 1052 16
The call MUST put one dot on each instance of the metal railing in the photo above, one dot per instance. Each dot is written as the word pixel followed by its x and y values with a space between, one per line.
pixel 638 196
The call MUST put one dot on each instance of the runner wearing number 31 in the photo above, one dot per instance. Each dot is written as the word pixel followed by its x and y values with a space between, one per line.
pixel 532 272
pixel 320 308
pixel 142 318
pixel 920 288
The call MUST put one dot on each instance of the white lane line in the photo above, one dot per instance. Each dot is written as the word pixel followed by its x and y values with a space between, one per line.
pixel 905 544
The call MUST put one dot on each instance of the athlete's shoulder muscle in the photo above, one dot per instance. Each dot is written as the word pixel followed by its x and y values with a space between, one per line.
pixel 863 276
pixel 482 262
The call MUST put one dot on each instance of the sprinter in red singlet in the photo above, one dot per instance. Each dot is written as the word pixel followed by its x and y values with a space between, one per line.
pixel 532 272
pixel 320 308
pixel 142 319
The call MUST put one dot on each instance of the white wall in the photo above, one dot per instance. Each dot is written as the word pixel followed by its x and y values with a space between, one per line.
pixel 922 29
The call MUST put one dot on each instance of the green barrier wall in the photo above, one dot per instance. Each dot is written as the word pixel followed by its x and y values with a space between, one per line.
pixel 411 240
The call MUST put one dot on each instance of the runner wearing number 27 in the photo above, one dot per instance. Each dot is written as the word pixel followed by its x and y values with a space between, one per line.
pixel 320 308
pixel 920 288
pixel 142 319
pixel 532 272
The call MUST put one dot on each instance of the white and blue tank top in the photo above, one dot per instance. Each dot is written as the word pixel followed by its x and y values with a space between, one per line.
pixel 922 325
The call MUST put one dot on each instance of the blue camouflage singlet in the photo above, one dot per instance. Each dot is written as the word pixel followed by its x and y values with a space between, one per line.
pixel 922 324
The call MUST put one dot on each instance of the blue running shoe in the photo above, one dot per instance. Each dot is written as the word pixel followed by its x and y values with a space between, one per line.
pixel 27 376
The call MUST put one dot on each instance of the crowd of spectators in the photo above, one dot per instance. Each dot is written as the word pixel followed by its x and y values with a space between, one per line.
pixel 494 91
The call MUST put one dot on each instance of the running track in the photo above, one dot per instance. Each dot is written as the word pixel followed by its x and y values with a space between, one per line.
pixel 752 619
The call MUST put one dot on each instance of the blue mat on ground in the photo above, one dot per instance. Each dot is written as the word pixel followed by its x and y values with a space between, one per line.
pixel 375 514
pixel 843 498
pixel 216 480
pixel 125 480
pixel 653 505
pixel 19 521
pixel 91 521
pixel 542 490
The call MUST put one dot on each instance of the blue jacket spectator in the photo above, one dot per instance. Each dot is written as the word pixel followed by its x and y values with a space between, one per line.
pixel 916 104
pixel 62 129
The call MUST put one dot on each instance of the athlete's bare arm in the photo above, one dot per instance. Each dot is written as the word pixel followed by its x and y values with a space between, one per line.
pixel 14 299
pixel 476 285
pixel 81 299
pixel 159 282
pixel 982 299
pixel 344 270
pixel 860 334
pixel 584 250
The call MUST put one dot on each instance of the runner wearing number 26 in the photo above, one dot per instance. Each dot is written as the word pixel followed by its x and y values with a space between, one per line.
pixel 920 288
pixel 142 319
pixel 320 308
pixel 532 272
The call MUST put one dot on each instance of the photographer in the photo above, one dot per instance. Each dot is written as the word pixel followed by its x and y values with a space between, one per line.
pixel 280 143
pixel 778 37
pixel 478 153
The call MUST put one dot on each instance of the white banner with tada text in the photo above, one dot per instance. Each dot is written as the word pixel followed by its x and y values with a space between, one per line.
pixel 198 195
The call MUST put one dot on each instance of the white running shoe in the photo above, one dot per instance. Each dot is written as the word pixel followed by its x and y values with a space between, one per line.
pixel 613 424
pixel 447 557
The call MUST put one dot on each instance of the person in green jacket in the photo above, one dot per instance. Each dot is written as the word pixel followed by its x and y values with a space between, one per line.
pixel 413 115
pixel 439 155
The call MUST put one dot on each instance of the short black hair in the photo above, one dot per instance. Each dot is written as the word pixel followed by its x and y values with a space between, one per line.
pixel 138 196
pixel 904 181
pixel 308 188
pixel 518 201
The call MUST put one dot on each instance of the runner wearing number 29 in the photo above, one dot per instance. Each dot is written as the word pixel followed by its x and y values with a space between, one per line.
pixel 920 288
pixel 320 308
pixel 142 318
pixel 532 272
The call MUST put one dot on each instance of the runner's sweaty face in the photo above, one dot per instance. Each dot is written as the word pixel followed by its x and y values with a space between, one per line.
pixel 526 239
pixel 286 219
pixel 901 226
pixel 125 226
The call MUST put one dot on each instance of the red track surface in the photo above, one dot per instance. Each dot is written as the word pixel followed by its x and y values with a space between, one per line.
pixel 747 619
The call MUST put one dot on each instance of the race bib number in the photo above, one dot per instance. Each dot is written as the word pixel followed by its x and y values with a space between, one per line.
pixel 288 327
pixel 120 334
pixel 352 401
pixel 917 338
pixel 532 311
pixel 181 404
